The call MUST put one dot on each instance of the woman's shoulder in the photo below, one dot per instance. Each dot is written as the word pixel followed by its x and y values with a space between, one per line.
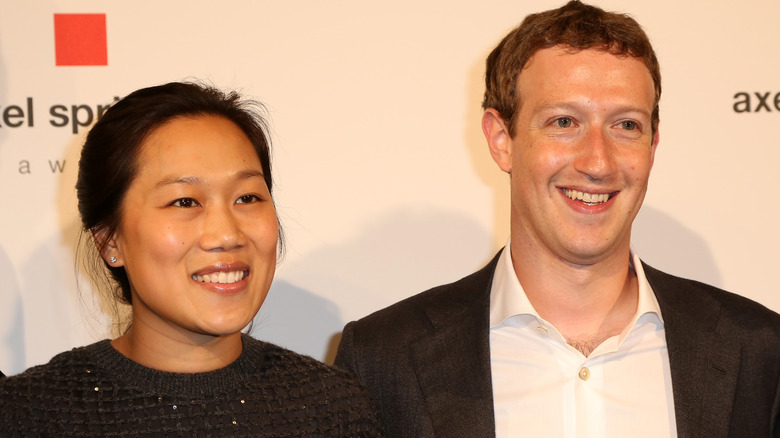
pixel 62 365
pixel 329 397
pixel 28 398
pixel 60 374
pixel 275 359
pixel 295 376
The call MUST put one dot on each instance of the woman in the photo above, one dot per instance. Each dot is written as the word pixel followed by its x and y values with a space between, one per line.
pixel 174 186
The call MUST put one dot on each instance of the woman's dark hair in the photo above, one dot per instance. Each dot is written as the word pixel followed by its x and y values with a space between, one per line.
pixel 109 158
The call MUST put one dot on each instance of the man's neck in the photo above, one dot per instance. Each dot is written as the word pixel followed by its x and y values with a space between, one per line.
pixel 586 303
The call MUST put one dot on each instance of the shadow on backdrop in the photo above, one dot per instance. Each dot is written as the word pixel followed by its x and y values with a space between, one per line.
pixel 297 319
pixel 54 299
pixel 395 256
pixel 670 246
pixel 102 316
pixel 12 351
pixel 483 164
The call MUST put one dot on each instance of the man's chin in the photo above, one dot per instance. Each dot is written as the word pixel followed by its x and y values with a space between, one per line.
pixel 589 253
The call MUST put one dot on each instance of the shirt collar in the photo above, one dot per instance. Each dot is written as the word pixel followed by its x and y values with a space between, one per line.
pixel 507 297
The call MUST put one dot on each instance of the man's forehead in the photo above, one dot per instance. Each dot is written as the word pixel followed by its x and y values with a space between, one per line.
pixel 563 50
pixel 566 64
pixel 558 75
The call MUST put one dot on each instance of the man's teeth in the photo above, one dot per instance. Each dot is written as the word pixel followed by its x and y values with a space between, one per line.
pixel 220 277
pixel 588 198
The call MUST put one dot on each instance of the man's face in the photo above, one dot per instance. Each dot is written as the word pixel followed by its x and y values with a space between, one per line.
pixel 582 153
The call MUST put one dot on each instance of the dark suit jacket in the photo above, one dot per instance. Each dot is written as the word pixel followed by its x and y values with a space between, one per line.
pixel 426 360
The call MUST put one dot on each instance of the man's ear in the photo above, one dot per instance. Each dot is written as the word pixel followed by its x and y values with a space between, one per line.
pixel 107 245
pixel 654 146
pixel 498 139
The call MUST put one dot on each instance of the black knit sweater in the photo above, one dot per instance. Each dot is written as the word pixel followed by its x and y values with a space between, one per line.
pixel 267 392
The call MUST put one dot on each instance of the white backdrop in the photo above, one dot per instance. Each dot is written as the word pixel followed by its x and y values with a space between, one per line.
pixel 384 183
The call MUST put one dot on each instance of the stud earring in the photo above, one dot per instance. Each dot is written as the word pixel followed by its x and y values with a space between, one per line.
pixel 112 260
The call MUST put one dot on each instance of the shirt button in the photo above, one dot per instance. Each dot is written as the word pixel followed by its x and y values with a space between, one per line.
pixel 584 373
pixel 541 330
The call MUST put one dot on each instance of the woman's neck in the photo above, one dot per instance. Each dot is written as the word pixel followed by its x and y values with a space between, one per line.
pixel 176 352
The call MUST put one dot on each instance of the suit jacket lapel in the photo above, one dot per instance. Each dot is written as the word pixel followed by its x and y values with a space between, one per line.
pixel 453 361
pixel 704 364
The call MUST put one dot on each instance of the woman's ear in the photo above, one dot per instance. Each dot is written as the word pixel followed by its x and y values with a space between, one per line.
pixel 108 247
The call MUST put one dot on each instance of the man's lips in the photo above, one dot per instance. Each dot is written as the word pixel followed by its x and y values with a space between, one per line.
pixel 588 198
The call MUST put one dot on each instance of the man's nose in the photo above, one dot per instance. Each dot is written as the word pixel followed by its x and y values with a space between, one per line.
pixel 596 155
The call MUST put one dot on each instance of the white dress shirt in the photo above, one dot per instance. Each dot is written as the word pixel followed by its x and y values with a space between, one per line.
pixel 543 387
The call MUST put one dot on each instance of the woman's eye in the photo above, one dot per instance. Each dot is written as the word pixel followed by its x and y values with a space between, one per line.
pixel 247 199
pixel 185 203
pixel 563 122
pixel 628 125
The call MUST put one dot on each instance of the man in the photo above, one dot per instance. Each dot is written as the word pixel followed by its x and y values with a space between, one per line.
pixel 566 333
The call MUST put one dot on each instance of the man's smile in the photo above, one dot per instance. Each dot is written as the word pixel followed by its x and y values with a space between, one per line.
pixel 587 198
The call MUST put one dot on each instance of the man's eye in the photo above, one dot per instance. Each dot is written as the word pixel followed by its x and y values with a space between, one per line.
pixel 628 125
pixel 185 203
pixel 563 122
pixel 247 199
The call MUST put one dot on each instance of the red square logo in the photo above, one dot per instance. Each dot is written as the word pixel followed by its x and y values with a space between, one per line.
pixel 80 39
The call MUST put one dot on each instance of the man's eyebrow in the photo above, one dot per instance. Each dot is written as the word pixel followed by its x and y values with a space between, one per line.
pixel 556 105
pixel 551 106
pixel 194 180
pixel 634 109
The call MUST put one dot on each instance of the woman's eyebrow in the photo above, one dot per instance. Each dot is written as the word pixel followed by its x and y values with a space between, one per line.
pixel 194 180
pixel 170 180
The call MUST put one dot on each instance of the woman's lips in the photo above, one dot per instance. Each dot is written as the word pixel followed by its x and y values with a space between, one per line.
pixel 222 273
pixel 221 277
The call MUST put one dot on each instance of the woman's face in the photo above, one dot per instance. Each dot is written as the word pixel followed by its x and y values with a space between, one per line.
pixel 198 230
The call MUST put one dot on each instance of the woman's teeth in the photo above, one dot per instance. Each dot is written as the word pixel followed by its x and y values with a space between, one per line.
pixel 220 277
pixel 588 198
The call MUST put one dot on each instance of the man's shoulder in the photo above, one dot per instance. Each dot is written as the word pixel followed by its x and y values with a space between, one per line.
pixel 711 304
pixel 383 347
pixel 436 304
